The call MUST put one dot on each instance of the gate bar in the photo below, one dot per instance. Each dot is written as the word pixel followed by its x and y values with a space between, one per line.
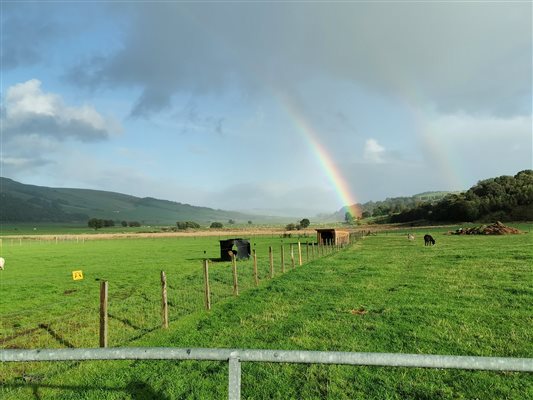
pixel 279 356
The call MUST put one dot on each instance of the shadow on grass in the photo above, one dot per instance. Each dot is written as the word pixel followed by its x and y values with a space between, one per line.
pixel 60 339
pixel 124 321
pixel 137 390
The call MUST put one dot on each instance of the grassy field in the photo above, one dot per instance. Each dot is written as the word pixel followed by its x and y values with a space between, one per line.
pixel 465 296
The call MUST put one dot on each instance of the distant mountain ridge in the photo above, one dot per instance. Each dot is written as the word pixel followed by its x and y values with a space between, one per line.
pixel 30 203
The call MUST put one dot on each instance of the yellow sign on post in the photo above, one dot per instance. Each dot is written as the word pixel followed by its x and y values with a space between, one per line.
pixel 77 275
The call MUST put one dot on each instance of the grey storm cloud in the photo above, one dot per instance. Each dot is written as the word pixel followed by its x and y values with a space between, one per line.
pixel 25 35
pixel 454 56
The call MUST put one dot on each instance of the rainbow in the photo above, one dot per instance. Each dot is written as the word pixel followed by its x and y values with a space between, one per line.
pixel 412 99
pixel 308 132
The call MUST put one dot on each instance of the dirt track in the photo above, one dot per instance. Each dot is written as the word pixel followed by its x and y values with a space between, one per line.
pixel 209 233
pixel 192 233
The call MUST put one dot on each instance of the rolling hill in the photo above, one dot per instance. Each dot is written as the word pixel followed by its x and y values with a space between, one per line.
pixel 29 203
pixel 391 204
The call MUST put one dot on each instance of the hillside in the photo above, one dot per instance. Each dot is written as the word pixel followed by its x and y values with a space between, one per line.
pixel 504 198
pixel 29 203
pixel 390 205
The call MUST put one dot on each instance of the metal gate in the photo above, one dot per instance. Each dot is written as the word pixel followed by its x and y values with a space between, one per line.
pixel 235 356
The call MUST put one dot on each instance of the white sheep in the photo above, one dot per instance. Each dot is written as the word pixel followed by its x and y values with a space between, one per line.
pixel 2 262
pixel 410 236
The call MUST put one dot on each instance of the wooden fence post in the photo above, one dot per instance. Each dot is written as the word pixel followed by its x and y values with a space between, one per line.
pixel 256 278
pixel 313 250
pixel 235 280
pixel 164 302
pixel 207 293
pixel 103 313
pixel 307 251
pixel 299 253
pixel 271 260
pixel 292 255
pixel 282 259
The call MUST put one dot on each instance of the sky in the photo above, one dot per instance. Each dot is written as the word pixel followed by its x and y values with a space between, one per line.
pixel 280 108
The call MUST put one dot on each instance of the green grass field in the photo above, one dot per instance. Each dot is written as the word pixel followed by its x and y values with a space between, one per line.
pixel 465 296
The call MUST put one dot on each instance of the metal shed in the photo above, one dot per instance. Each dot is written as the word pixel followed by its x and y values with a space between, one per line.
pixel 332 236
pixel 240 247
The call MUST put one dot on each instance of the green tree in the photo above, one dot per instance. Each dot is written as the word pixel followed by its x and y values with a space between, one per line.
pixel 95 223
pixel 304 223
pixel 348 218
pixel 216 225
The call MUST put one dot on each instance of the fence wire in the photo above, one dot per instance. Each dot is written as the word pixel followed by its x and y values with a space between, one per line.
pixel 132 313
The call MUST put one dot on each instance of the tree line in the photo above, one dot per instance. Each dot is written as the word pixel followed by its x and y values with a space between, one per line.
pixel 505 198
pixel 97 223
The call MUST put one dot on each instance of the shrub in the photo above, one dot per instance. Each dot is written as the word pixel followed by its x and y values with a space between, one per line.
pixel 187 224
pixel 290 227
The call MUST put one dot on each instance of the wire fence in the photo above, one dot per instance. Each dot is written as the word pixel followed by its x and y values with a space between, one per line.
pixel 134 312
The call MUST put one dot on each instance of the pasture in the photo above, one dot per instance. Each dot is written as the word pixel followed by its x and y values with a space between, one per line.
pixel 463 296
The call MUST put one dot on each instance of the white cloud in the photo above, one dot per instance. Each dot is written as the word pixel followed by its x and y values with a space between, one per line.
pixel 37 127
pixel 373 152
pixel 29 110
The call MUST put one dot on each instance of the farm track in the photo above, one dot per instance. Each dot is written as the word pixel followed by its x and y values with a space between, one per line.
pixel 145 235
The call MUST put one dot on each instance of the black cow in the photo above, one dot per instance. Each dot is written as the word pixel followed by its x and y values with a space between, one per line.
pixel 428 240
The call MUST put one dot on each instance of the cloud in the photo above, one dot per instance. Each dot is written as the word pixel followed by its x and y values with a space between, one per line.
pixel 457 151
pixel 28 153
pixel 271 198
pixel 373 152
pixel 472 57
pixel 21 163
pixel 468 146
pixel 24 37
pixel 31 111
pixel 392 179
pixel 37 127
pixel 192 121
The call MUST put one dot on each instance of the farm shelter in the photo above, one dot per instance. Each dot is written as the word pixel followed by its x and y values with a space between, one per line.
pixel 240 247
pixel 332 236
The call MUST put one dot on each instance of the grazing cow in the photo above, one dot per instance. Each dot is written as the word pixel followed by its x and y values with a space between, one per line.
pixel 410 236
pixel 428 240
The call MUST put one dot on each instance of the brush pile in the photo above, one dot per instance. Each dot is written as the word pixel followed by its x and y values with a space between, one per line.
pixel 493 229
